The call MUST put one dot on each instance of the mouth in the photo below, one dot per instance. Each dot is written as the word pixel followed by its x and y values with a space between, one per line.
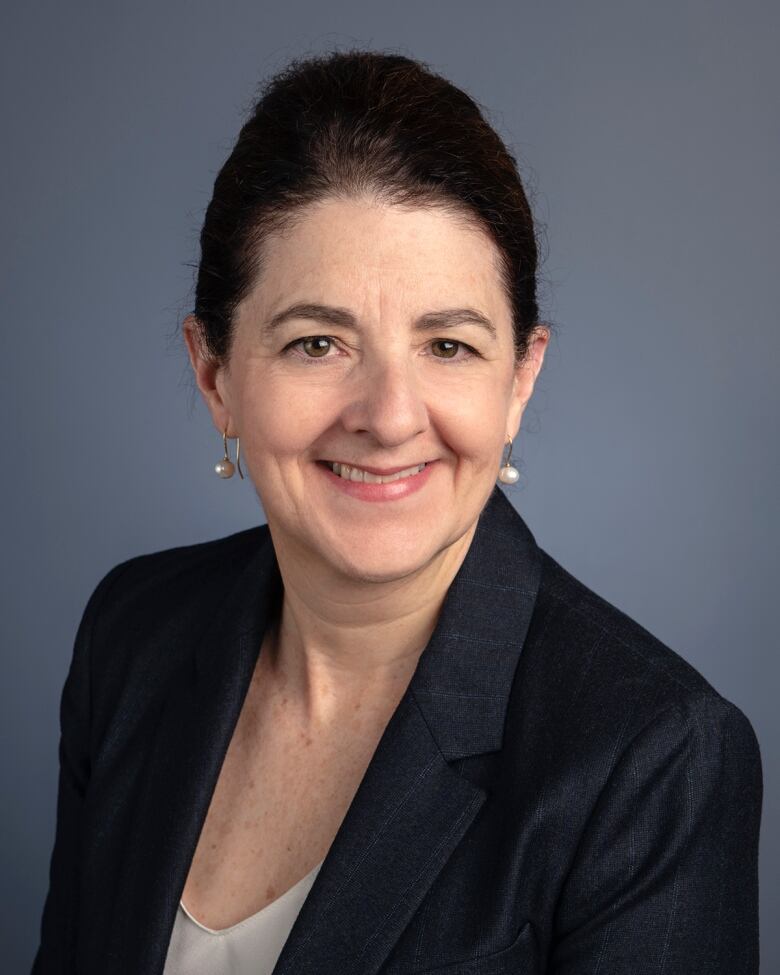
pixel 373 475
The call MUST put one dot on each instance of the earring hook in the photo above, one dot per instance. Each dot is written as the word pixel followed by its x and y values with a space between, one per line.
pixel 509 474
pixel 225 467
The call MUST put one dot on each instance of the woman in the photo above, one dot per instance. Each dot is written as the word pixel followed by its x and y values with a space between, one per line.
pixel 385 731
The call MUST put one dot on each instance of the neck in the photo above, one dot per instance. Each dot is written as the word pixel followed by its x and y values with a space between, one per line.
pixel 338 645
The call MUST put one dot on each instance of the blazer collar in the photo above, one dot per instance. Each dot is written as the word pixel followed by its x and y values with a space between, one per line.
pixel 412 807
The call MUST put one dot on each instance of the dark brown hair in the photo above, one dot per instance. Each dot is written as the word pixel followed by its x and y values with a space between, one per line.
pixel 348 124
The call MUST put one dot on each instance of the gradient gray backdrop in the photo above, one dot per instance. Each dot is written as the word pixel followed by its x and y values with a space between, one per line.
pixel 650 138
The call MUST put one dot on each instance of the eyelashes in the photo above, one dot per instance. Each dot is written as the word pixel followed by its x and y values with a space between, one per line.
pixel 291 347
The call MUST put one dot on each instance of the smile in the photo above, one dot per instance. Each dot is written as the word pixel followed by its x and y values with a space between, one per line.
pixel 349 473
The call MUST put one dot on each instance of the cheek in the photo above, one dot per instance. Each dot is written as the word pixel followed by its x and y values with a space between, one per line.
pixel 472 421
pixel 279 418
pixel 471 444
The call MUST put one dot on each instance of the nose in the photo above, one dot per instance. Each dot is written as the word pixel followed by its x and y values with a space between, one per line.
pixel 387 401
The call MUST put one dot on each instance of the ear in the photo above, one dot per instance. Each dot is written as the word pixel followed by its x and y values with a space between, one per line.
pixel 525 377
pixel 208 374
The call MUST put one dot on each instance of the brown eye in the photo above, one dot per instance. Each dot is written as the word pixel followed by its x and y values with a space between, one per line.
pixel 452 351
pixel 317 345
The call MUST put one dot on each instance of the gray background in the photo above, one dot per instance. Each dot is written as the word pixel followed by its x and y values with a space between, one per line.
pixel 649 137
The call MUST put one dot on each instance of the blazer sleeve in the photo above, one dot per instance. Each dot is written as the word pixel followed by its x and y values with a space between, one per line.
pixel 56 950
pixel 665 876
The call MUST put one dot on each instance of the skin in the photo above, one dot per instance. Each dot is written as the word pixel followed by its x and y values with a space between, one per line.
pixel 364 582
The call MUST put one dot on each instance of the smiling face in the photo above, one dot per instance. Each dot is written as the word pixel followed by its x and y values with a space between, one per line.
pixel 376 377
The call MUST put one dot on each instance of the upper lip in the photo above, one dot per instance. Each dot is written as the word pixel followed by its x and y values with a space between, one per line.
pixel 381 471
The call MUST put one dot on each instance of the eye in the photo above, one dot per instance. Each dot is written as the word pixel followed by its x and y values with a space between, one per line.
pixel 316 344
pixel 453 350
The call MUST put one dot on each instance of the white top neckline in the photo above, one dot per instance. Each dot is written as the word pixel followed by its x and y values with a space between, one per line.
pixel 268 909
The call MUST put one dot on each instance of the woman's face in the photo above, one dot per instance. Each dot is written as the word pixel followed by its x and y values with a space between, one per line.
pixel 372 379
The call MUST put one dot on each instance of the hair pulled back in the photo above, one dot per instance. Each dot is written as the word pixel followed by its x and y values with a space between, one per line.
pixel 349 124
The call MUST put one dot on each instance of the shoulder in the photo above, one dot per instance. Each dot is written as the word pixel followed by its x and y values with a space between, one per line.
pixel 652 776
pixel 145 612
pixel 605 680
pixel 169 590
pixel 152 577
pixel 170 563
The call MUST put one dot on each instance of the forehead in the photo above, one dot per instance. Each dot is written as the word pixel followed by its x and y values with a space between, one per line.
pixel 353 251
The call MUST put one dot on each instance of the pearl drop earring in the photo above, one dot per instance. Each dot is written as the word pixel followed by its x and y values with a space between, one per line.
pixel 225 467
pixel 508 473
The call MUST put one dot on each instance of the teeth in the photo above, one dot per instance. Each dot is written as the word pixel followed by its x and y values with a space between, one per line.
pixel 358 474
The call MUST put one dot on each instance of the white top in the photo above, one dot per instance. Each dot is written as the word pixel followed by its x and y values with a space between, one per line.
pixel 251 947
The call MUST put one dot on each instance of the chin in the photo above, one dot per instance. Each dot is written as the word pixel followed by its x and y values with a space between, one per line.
pixel 380 563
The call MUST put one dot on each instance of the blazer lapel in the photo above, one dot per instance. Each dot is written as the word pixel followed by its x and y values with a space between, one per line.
pixel 412 807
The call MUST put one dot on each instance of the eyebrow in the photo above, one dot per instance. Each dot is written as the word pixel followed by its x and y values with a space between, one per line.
pixel 329 315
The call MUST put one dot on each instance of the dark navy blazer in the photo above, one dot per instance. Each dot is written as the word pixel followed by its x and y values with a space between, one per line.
pixel 557 791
